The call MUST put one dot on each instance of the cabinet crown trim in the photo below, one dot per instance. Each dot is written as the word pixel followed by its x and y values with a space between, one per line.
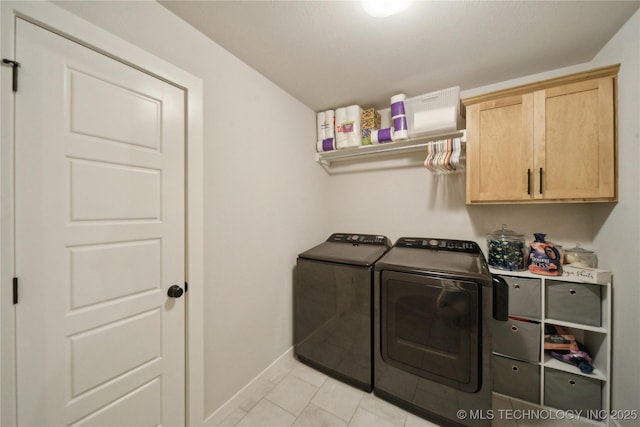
pixel 609 71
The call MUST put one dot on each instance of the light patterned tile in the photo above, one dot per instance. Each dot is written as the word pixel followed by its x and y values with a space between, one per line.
pixel 502 419
pixel 530 415
pixel 585 422
pixel 292 394
pixel 499 401
pixel 543 423
pixel 233 418
pixel 501 405
pixel 309 375
pixel 282 369
pixel 312 416
pixel 364 418
pixel 413 421
pixel 338 398
pixel 384 410
pixel 523 406
pixel 258 393
pixel 266 414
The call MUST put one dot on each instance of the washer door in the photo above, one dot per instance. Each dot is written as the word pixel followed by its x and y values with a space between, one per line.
pixel 430 327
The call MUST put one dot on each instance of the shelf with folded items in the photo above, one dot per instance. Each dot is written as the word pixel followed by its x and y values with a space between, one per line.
pixel 327 158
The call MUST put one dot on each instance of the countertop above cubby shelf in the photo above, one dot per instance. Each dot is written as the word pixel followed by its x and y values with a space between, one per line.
pixel 527 274
pixel 327 158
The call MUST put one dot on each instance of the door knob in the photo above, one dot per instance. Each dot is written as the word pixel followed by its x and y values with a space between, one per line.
pixel 175 291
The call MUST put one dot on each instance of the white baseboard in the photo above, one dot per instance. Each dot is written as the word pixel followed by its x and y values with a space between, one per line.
pixel 245 392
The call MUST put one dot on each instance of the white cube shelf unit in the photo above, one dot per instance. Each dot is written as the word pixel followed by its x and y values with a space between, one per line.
pixel 522 368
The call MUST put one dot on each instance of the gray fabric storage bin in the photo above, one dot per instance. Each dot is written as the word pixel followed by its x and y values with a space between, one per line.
pixel 573 302
pixel 515 378
pixel 524 297
pixel 567 391
pixel 517 339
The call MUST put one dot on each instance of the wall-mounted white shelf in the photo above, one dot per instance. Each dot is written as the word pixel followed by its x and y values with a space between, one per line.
pixel 327 158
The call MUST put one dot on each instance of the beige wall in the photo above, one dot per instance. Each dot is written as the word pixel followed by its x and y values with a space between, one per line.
pixel 618 237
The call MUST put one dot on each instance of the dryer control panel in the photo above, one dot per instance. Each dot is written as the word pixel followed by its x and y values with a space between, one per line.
pixel 439 244
pixel 362 239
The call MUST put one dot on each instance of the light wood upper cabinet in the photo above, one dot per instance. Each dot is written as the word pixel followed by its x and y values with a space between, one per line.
pixel 552 141
pixel 500 149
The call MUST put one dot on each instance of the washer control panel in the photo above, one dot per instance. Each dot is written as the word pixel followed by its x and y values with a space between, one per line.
pixel 439 244
pixel 359 239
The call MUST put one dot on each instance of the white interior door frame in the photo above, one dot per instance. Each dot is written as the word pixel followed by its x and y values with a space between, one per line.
pixel 68 25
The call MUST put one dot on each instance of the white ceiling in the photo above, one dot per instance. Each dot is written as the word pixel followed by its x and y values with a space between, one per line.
pixel 330 53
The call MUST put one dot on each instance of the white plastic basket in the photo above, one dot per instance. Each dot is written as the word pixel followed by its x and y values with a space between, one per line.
pixel 435 112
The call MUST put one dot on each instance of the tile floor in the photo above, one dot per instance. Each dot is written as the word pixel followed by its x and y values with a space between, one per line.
pixel 299 396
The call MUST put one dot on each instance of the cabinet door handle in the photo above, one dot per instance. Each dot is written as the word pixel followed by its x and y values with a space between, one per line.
pixel 540 180
pixel 528 181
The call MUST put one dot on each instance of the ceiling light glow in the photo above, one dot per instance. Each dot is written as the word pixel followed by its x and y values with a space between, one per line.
pixel 384 8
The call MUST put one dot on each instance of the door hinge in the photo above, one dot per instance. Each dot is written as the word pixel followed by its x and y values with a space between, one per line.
pixel 14 65
pixel 15 290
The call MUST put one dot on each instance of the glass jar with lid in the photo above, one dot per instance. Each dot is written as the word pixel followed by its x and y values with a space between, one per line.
pixel 506 249
pixel 580 257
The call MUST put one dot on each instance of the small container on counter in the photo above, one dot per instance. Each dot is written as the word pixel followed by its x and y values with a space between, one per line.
pixel 580 257
pixel 506 250
pixel 545 257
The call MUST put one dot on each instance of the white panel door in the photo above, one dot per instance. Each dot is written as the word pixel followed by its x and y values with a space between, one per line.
pixel 99 175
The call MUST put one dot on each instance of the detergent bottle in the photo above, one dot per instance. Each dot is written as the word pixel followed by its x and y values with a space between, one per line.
pixel 544 258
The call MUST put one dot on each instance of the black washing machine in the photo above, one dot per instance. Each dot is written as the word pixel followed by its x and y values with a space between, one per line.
pixel 332 299
pixel 434 300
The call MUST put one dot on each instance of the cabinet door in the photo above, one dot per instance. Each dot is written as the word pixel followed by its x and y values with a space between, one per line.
pixel 500 149
pixel 574 141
